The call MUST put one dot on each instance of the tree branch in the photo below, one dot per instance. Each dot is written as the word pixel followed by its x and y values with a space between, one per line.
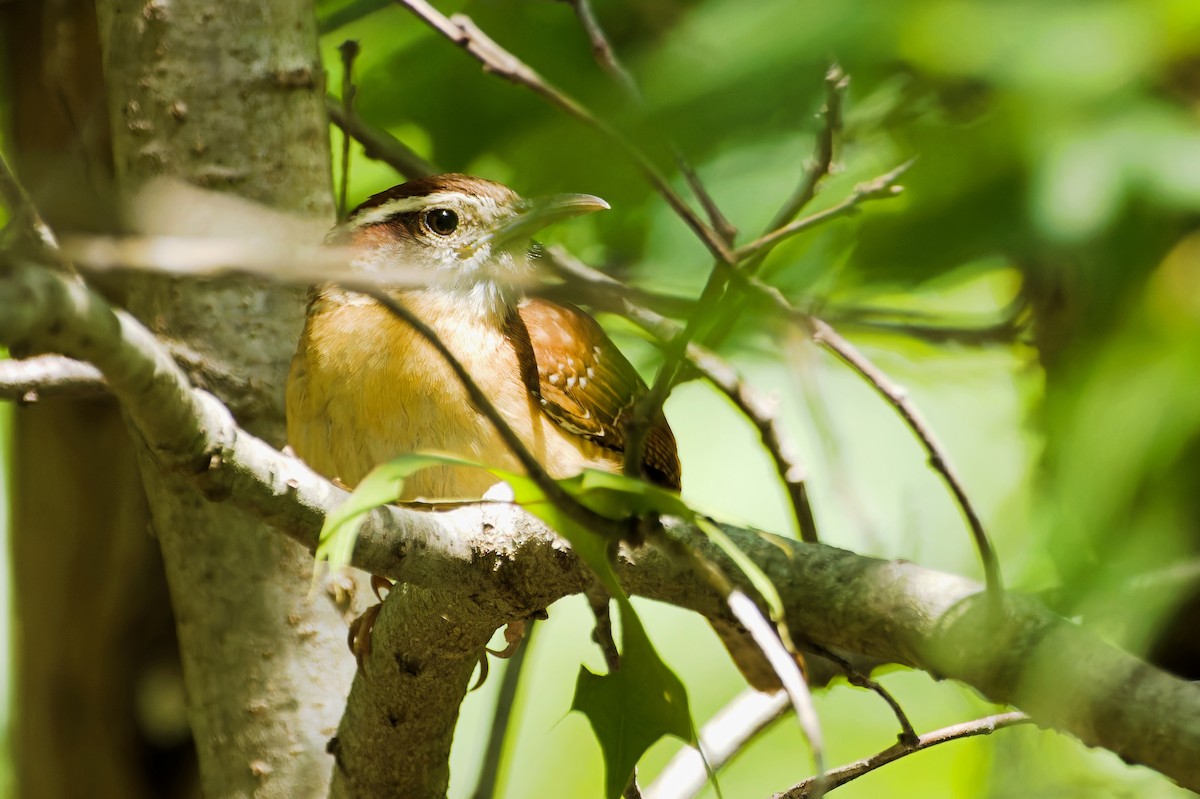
pixel 1012 652
pixel 378 144
pixel 852 771
pixel 49 376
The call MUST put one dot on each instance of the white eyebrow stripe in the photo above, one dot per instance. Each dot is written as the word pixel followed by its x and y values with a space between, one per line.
pixel 402 205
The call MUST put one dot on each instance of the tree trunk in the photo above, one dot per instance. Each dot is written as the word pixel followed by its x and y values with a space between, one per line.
pixel 229 96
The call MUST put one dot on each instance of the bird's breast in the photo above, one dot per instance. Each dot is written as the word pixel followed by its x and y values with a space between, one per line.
pixel 365 387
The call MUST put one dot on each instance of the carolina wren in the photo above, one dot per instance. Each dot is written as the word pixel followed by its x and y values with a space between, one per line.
pixel 365 387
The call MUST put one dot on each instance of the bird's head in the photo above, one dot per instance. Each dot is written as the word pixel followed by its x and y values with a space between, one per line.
pixel 474 235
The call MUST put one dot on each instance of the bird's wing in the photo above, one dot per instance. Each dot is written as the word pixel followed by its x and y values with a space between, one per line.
pixel 588 387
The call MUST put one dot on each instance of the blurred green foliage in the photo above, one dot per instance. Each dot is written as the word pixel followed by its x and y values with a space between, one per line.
pixel 1058 179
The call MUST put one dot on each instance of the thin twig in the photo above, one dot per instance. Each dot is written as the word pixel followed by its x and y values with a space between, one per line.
pixel 489 773
pixel 755 408
pixel 898 398
pixel 878 188
pixel 708 306
pixel 23 214
pixel 49 376
pixel 604 53
pixel 1009 327
pixel 602 634
pixel 349 51
pixel 907 736
pixel 821 165
pixel 852 771
pixel 463 31
pixel 724 736
pixel 379 144
pixel 716 216
pixel 824 334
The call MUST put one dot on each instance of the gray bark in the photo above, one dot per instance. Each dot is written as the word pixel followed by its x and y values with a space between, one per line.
pixel 230 96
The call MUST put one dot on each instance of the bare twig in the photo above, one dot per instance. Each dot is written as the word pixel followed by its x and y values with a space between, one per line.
pixel 349 50
pixel 49 376
pixel 724 736
pixel 716 217
pixel 823 334
pixel 489 773
pixel 852 771
pixel 379 144
pixel 605 56
pixel 755 408
pixel 878 188
pixel 24 215
pixel 907 736
pixel 708 306
pixel 898 398
pixel 602 634
pixel 821 165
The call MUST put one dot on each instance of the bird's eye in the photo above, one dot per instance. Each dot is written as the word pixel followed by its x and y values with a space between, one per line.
pixel 441 221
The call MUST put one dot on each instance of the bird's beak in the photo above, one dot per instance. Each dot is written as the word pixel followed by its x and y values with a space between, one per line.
pixel 538 214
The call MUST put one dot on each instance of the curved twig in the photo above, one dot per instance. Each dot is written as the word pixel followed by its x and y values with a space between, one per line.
pixel 852 771
pixel 939 461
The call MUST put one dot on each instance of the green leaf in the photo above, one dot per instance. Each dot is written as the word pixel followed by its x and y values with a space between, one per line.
pixel 631 708
pixel 757 577
pixel 590 546
pixel 384 484
pixel 617 496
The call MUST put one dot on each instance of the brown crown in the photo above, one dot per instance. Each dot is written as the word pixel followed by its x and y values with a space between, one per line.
pixel 467 184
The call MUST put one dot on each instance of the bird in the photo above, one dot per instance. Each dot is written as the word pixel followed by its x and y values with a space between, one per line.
pixel 365 386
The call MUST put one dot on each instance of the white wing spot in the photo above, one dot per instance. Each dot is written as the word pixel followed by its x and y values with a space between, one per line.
pixel 570 382
pixel 591 372
pixel 554 378
pixel 582 382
